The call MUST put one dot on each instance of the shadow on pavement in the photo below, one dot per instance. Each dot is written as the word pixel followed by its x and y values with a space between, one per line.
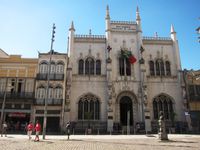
pixel 176 141
pixel 150 144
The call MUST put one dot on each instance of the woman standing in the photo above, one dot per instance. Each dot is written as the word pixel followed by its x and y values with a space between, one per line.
pixel 30 129
pixel 37 130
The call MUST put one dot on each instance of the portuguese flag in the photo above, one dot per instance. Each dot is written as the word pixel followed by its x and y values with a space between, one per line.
pixel 128 55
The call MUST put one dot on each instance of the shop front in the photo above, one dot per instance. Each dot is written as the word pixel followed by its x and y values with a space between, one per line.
pixel 17 120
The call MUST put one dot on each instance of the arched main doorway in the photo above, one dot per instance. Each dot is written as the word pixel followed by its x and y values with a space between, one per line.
pixel 126 111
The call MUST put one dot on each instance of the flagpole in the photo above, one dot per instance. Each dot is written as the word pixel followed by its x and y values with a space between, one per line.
pixel 48 78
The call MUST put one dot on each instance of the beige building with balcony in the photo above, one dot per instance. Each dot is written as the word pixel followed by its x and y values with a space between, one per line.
pixel 56 93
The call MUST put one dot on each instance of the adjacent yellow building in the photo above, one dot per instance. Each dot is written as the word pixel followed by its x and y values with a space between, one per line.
pixel 17 86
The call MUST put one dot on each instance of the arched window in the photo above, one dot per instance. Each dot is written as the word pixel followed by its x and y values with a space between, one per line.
pixel 158 67
pixel 121 67
pixel 162 68
pixel 50 95
pixel 41 92
pixel 151 68
pixel 168 69
pixel 88 108
pixel 58 92
pixel 124 67
pixel 60 68
pixel 128 67
pixel 89 66
pixel 53 67
pixel 80 66
pixel 98 67
pixel 43 67
pixel 163 103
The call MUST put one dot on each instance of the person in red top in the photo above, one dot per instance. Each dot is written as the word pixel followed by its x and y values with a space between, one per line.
pixel 37 130
pixel 29 129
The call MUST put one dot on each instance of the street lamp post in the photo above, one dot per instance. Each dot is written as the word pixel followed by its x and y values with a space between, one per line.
pixel 48 78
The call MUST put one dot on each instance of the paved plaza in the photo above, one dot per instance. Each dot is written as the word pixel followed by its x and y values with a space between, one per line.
pixel 101 142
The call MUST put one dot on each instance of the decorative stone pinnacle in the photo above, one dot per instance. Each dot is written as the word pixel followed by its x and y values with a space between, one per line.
pixel 137 14
pixel 137 10
pixel 90 32
pixel 156 34
pixel 72 26
pixel 107 12
pixel 172 29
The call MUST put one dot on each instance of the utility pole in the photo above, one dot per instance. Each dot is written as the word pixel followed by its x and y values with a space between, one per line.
pixel 198 32
pixel 48 78
pixel 3 104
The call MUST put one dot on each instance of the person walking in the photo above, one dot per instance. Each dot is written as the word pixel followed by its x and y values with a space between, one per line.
pixel 37 130
pixel 29 128
pixel 68 129
pixel 4 129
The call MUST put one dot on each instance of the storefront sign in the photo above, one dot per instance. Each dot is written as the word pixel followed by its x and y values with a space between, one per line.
pixel 17 114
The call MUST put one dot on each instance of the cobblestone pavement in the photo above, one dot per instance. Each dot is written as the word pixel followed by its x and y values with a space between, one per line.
pixel 101 142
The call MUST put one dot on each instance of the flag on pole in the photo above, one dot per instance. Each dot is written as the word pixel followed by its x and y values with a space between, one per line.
pixel 132 59
pixel 128 55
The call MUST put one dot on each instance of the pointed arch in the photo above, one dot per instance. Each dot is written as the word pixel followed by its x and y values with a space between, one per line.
pixel 89 107
pixel 89 66
pixel 157 67
pixel 129 94
pixel 53 67
pixel 168 68
pixel 124 66
pixel 151 68
pixel 126 103
pixel 98 67
pixel 43 67
pixel 164 103
pixel 81 67
pixel 60 67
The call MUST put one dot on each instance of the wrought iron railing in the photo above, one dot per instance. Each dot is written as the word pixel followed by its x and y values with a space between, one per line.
pixel 17 95
pixel 43 76
pixel 49 101
pixel 156 38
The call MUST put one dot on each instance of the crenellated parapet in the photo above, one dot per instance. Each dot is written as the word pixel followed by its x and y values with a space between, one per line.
pixel 156 38
pixel 90 38
pixel 123 22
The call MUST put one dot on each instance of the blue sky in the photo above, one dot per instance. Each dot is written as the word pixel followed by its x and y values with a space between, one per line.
pixel 26 25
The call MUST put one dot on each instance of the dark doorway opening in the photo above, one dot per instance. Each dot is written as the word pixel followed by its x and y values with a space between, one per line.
pixel 125 108
pixel 17 121
pixel 53 124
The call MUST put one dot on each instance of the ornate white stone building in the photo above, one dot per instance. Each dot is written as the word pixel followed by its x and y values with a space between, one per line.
pixel 121 78
pixel 111 82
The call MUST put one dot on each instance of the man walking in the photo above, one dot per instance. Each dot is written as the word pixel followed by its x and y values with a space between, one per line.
pixel 68 129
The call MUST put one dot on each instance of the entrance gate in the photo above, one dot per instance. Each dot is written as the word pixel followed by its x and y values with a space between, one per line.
pixel 126 111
